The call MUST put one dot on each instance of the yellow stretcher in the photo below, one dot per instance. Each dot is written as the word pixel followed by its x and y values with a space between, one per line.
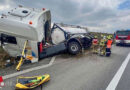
pixel 31 82
pixel 21 59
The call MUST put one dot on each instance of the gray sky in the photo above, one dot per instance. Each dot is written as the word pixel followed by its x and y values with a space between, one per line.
pixel 97 15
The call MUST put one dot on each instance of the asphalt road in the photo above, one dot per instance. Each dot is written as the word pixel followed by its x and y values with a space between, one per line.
pixel 82 72
pixel 124 83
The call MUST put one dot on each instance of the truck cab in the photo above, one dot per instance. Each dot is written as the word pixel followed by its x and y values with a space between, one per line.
pixel 21 24
pixel 122 37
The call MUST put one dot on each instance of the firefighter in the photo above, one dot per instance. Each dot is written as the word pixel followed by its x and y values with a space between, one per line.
pixel 102 45
pixel 108 46
pixel 95 44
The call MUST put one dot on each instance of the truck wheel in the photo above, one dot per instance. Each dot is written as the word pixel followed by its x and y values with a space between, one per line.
pixel 74 48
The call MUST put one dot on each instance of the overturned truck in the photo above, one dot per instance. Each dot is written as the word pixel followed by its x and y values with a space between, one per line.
pixel 34 25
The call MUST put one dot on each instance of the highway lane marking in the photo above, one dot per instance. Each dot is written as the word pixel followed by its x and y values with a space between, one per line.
pixel 114 82
pixel 29 70
pixel 52 60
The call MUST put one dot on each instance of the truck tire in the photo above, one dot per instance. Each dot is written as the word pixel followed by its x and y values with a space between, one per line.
pixel 74 47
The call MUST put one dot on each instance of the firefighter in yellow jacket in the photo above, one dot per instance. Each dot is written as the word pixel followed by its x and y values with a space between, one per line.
pixel 95 44
pixel 102 45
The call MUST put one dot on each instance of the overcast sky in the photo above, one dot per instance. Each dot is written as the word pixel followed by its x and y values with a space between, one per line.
pixel 97 15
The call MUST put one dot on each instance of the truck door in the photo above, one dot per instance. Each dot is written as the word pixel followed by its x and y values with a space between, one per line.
pixel 47 25
pixel 10 45
pixel 47 31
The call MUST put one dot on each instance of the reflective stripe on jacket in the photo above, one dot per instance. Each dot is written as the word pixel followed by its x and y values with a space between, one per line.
pixel 102 42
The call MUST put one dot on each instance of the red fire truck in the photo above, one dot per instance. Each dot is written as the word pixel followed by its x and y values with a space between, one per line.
pixel 122 37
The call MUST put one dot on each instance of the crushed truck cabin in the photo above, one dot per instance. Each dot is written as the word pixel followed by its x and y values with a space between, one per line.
pixel 34 25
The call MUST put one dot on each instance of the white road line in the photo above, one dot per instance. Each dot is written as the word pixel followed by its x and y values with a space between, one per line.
pixel 114 82
pixel 52 60
pixel 29 70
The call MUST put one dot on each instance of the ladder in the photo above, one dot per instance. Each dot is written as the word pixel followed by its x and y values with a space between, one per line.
pixel 21 58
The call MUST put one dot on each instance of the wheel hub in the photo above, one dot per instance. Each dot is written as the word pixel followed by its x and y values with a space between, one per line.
pixel 74 47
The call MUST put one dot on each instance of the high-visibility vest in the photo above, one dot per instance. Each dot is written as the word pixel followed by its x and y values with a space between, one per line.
pixel 109 43
pixel 95 41
pixel 102 42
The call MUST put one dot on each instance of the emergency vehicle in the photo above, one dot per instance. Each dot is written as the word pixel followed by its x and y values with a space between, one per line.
pixel 122 37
